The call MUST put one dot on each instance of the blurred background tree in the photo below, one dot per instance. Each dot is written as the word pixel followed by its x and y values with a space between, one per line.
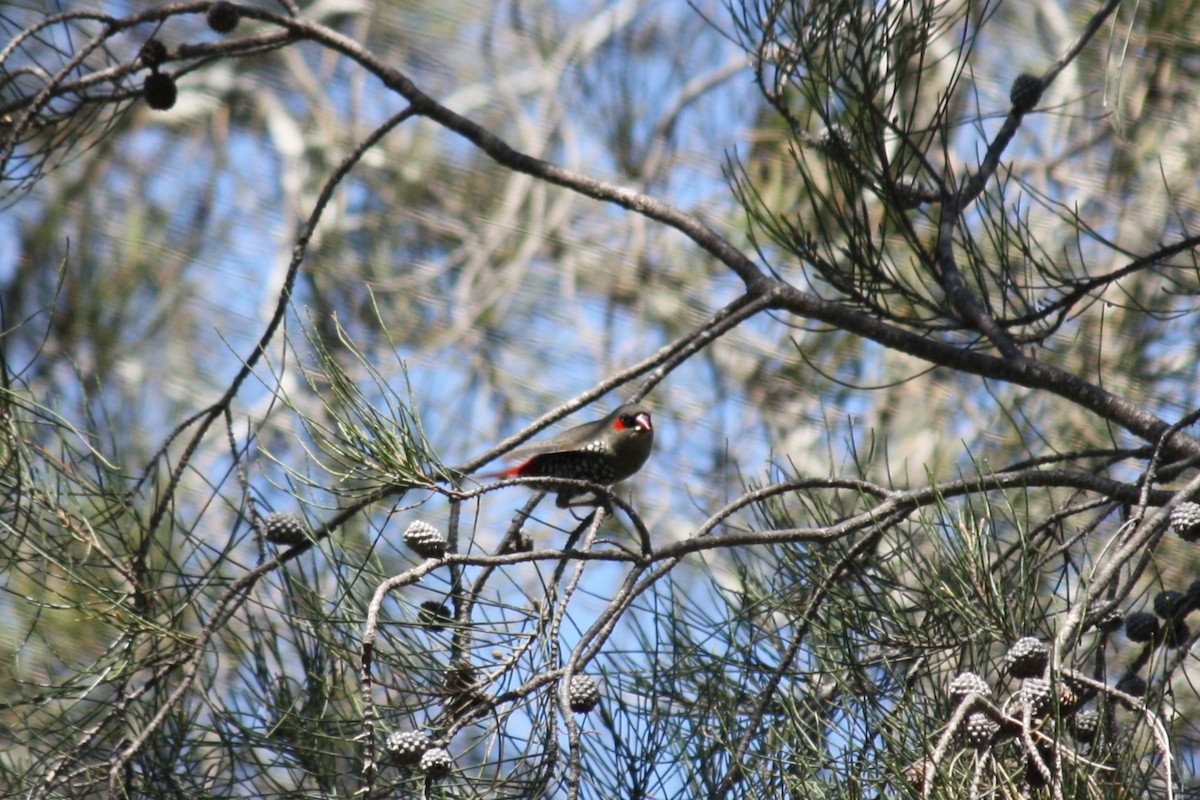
pixel 910 287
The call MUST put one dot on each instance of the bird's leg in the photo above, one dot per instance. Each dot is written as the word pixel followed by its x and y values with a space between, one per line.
pixel 567 498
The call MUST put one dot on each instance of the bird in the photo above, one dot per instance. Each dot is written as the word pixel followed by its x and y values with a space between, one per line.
pixel 604 451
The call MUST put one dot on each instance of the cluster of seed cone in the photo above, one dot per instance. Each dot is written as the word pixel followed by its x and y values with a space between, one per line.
pixel 1040 700
pixel 159 88
pixel 415 749
pixel 1167 624
pixel 1036 697
pixel 1044 700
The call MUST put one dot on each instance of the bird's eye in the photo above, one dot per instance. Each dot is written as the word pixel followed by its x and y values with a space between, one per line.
pixel 628 421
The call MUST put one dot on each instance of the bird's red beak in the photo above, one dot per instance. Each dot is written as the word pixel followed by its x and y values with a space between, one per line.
pixel 642 421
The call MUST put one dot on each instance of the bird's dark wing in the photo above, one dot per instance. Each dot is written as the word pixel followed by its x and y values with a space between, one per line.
pixel 568 440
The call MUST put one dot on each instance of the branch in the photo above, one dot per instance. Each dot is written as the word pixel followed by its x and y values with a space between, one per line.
pixel 1027 372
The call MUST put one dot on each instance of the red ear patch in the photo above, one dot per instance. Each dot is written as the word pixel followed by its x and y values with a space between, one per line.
pixel 618 424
